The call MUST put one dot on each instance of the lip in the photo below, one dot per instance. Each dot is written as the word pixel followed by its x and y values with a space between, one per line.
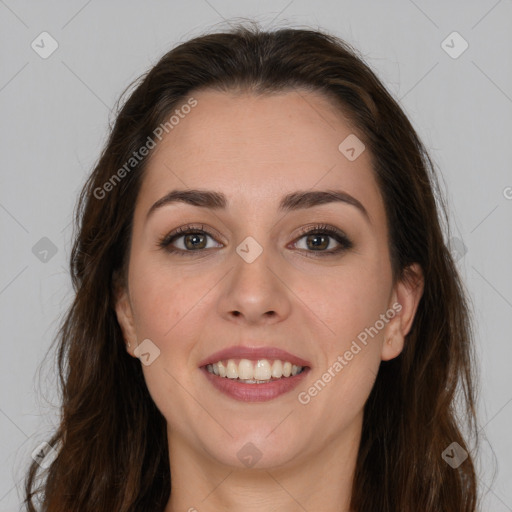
pixel 254 353
pixel 255 392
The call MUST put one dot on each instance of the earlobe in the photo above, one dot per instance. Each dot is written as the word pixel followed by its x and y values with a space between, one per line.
pixel 406 297
pixel 392 347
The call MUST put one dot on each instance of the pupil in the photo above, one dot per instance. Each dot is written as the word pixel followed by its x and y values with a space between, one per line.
pixel 316 237
pixel 194 237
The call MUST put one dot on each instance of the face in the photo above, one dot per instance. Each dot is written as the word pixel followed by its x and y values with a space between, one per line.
pixel 249 275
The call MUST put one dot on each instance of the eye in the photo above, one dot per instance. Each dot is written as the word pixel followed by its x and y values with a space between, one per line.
pixel 319 238
pixel 187 238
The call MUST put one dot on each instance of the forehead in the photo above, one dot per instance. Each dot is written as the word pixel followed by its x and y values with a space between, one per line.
pixel 257 148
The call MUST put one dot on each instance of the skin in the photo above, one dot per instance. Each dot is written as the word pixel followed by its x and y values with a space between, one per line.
pixel 255 149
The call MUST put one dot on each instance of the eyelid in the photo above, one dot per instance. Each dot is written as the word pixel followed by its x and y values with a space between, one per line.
pixel 184 230
pixel 312 228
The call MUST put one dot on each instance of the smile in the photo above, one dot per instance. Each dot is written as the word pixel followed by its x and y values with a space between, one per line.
pixel 254 372
pixel 254 381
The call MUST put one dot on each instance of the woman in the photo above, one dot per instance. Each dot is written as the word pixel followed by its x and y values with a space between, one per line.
pixel 266 315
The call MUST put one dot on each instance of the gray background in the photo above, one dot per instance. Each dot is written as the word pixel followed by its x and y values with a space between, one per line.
pixel 54 118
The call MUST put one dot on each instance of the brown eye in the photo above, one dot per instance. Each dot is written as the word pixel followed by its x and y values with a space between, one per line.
pixel 186 240
pixel 320 239
pixel 194 241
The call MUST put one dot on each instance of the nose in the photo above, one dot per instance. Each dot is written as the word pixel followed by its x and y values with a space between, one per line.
pixel 255 292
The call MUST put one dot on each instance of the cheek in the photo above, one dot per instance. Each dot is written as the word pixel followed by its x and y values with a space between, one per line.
pixel 166 304
pixel 349 301
pixel 353 308
pixel 162 297
pixel 351 353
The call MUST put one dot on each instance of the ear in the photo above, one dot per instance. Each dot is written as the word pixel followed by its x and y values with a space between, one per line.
pixel 124 313
pixel 404 302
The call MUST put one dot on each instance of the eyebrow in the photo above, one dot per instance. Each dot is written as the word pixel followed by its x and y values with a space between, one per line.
pixel 299 200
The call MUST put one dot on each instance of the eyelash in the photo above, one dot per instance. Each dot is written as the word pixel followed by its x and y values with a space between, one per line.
pixel 319 229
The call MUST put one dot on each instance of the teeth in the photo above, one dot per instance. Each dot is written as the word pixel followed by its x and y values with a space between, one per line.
pixel 245 370
pixel 277 369
pixel 232 370
pixel 222 369
pixel 254 372
pixel 262 370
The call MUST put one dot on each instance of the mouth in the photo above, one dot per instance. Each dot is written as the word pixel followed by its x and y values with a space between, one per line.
pixel 254 375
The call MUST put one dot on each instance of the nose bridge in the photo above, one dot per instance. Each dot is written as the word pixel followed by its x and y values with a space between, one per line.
pixel 255 248
pixel 253 260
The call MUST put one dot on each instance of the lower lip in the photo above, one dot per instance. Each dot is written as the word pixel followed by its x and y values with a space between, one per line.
pixel 255 392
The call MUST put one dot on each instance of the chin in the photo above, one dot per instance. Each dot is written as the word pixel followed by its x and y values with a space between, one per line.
pixel 256 449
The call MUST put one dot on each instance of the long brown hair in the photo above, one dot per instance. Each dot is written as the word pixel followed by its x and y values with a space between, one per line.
pixel 112 441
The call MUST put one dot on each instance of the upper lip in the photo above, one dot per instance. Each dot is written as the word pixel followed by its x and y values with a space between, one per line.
pixel 244 352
